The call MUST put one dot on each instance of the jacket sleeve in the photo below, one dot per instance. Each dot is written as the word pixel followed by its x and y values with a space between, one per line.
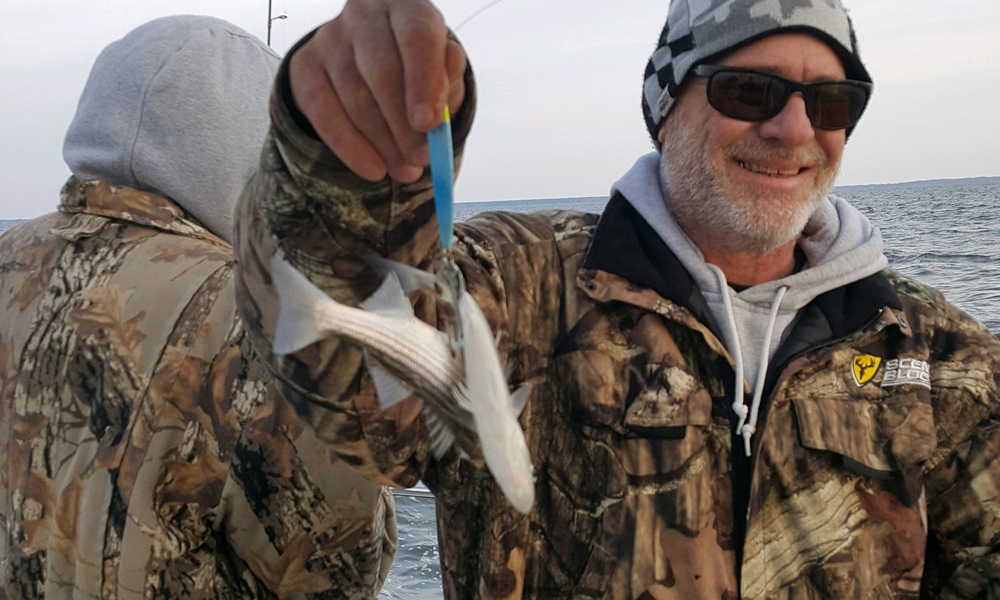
pixel 303 521
pixel 306 204
pixel 962 477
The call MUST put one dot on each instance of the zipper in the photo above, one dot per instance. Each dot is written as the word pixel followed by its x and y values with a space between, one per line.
pixel 857 335
pixel 740 462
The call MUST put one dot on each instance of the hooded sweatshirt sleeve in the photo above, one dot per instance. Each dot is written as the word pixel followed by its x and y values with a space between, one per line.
pixel 306 205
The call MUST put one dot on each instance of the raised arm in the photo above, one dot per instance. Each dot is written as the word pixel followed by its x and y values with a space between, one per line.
pixel 350 104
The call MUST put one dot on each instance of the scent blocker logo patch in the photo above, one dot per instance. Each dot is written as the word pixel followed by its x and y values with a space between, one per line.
pixel 864 367
pixel 902 371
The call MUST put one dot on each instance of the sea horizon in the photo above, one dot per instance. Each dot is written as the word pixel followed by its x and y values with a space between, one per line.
pixel 944 182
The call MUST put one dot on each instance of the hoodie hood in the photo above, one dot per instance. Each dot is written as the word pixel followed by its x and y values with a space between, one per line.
pixel 840 244
pixel 179 108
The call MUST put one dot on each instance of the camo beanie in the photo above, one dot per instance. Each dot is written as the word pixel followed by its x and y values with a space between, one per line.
pixel 698 30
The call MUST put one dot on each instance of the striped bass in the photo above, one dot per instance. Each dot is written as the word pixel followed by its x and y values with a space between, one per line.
pixel 459 381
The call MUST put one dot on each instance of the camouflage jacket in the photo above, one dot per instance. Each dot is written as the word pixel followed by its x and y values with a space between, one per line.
pixel 145 451
pixel 875 470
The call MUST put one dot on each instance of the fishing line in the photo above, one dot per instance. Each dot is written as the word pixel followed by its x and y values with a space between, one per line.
pixel 442 165
pixel 477 13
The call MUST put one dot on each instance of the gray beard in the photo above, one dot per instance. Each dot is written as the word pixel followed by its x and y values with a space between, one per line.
pixel 733 216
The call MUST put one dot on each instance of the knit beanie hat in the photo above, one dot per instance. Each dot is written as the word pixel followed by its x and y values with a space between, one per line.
pixel 697 30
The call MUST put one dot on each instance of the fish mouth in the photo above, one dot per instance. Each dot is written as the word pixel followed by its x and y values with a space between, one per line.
pixel 770 171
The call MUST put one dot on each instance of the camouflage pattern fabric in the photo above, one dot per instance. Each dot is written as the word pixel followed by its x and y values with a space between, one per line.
pixel 875 475
pixel 146 452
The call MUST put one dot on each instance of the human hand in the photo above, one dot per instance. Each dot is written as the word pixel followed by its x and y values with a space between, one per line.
pixel 374 80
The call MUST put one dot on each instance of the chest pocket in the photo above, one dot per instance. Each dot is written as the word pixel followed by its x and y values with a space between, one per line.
pixel 885 440
pixel 634 390
pixel 665 426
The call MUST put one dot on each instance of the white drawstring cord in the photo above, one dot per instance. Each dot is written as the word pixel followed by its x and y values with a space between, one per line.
pixel 750 428
pixel 739 407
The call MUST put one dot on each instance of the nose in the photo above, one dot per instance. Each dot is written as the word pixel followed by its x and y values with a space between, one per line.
pixel 791 126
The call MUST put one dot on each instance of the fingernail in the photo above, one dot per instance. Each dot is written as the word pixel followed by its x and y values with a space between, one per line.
pixel 422 116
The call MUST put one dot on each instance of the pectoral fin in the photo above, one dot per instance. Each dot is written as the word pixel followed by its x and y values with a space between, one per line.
pixel 519 399
pixel 441 437
pixel 389 299
pixel 389 389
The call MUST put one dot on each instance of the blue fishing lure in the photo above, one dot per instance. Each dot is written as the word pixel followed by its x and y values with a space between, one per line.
pixel 443 176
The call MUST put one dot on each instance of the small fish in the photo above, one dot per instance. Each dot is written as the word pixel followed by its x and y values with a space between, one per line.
pixel 495 409
pixel 460 382
pixel 486 394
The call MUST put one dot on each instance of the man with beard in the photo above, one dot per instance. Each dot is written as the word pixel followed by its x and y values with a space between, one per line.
pixel 731 395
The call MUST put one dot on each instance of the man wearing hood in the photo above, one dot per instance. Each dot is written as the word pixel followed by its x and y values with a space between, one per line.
pixel 146 451
pixel 731 396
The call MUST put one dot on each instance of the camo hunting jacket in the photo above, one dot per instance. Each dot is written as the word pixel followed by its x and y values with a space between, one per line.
pixel 875 470
pixel 145 451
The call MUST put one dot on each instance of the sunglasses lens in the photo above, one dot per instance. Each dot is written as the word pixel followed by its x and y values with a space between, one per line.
pixel 757 96
pixel 835 105
pixel 745 95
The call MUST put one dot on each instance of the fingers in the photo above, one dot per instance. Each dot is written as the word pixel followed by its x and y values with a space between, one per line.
pixel 455 66
pixel 315 96
pixel 421 37
pixel 374 80
pixel 381 67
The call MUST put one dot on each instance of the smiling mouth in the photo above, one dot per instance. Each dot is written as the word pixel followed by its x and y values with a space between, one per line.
pixel 769 172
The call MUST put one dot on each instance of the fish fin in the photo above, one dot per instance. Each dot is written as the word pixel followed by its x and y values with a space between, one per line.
pixel 519 399
pixel 508 370
pixel 389 300
pixel 441 437
pixel 299 298
pixel 410 278
pixel 462 398
pixel 389 389
pixel 454 344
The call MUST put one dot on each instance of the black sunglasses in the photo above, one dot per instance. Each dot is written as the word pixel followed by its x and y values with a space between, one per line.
pixel 751 95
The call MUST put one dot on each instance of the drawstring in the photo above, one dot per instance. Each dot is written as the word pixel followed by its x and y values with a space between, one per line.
pixel 738 405
pixel 750 428
pixel 747 429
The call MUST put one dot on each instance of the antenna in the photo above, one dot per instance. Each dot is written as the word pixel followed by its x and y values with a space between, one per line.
pixel 270 20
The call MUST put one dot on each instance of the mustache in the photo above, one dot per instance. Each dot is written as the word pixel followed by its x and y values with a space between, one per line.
pixel 810 156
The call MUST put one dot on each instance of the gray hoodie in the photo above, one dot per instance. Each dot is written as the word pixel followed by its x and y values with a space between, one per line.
pixel 177 107
pixel 841 246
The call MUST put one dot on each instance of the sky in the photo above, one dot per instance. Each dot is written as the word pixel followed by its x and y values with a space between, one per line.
pixel 559 82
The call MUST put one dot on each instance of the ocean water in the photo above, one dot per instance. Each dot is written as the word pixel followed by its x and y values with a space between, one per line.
pixel 947 236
